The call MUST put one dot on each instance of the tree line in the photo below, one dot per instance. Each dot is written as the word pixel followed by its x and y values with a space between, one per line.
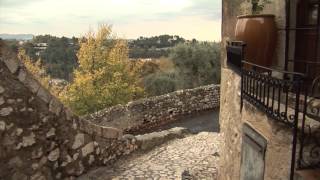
pixel 58 57
pixel 102 74
pixel 192 65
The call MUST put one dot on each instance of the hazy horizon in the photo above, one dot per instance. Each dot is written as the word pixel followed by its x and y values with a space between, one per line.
pixel 24 38
pixel 199 19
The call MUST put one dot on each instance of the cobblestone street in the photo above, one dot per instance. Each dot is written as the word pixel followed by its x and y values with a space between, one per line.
pixel 199 154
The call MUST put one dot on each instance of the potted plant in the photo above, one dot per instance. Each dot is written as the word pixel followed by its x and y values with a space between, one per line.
pixel 258 32
pixel 258 7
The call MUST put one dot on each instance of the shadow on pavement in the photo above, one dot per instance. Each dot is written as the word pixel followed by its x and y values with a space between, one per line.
pixel 201 122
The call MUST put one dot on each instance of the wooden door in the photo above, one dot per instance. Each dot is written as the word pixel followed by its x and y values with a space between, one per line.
pixel 252 155
pixel 307 53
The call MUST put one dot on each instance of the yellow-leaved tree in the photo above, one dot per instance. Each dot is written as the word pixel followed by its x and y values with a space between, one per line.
pixel 35 68
pixel 104 77
pixel 39 73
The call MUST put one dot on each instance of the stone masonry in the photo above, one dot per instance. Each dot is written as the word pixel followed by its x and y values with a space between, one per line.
pixel 40 138
pixel 198 155
pixel 144 114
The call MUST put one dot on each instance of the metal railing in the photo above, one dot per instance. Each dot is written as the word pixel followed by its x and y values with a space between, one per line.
pixel 283 96
pixel 292 98
pixel 310 68
pixel 309 133
pixel 309 153
pixel 273 95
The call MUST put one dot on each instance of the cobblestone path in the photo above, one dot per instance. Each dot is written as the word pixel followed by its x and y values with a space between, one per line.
pixel 198 154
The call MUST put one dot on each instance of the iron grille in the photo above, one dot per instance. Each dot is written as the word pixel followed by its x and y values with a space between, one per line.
pixel 309 153
pixel 278 98
pixel 283 96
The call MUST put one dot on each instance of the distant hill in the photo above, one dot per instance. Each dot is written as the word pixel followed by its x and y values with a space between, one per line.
pixel 16 36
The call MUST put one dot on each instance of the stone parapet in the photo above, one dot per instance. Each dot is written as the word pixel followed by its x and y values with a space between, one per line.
pixel 42 139
pixel 151 112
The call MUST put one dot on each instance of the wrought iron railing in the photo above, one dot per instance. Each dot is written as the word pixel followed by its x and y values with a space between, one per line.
pixel 310 68
pixel 287 97
pixel 309 153
pixel 283 96
pixel 273 95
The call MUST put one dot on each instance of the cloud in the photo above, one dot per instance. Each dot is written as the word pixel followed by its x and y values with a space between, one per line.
pixel 58 17
pixel 208 8
pixel 16 3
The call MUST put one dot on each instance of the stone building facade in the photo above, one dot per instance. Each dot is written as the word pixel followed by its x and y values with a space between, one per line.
pixel 255 143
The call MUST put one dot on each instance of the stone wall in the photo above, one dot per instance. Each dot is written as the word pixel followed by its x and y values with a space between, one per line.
pixel 42 139
pixel 279 138
pixel 144 114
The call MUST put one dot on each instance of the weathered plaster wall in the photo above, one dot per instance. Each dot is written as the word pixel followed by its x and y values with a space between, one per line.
pixel 279 137
pixel 279 140
pixel 144 114
pixel 41 139
pixel 230 126
pixel 277 7
pixel 232 120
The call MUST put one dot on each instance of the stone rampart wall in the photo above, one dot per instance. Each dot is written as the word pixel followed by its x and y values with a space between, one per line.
pixel 42 139
pixel 144 114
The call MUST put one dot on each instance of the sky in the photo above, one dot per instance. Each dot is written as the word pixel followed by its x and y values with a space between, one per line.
pixel 200 19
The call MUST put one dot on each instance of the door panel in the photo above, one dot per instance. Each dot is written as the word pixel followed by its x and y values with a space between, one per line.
pixel 307 38
pixel 252 155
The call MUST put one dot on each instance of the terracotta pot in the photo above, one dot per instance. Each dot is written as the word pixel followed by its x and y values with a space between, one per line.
pixel 259 34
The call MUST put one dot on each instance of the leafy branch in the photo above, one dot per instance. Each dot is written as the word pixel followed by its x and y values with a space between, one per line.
pixel 257 6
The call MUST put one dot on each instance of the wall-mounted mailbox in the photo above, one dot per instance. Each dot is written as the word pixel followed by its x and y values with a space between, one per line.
pixel 235 54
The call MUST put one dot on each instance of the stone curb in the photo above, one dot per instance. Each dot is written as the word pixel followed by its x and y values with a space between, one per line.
pixel 151 140
pixel 101 131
